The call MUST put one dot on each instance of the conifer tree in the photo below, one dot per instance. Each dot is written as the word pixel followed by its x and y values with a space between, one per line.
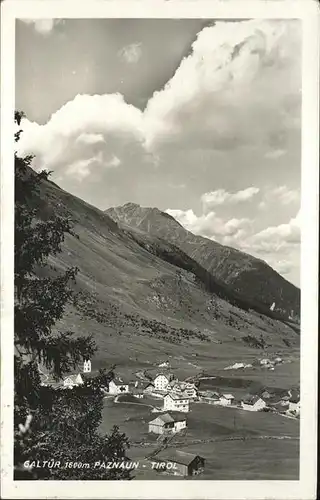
pixel 51 424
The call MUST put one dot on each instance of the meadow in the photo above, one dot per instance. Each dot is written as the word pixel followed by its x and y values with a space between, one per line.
pixel 236 444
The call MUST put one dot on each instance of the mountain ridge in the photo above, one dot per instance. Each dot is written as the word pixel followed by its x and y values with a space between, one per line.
pixel 248 275
pixel 143 300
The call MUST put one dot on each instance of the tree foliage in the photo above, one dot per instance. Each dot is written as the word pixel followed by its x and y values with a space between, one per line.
pixel 51 424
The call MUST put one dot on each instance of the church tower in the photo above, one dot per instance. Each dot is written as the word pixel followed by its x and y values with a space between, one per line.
pixel 87 366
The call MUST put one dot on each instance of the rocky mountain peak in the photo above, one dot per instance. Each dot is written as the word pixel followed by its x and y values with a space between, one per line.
pixel 253 278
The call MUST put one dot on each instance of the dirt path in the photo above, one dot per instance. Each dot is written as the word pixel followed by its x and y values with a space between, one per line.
pixel 217 439
pixel 133 403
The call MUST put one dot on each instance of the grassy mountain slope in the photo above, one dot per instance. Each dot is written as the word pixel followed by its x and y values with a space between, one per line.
pixel 144 300
pixel 252 278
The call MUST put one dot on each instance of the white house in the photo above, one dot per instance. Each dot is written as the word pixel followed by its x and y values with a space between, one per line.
pixel 185 387
pixel 266 395
pixel 265 362
pixel 191 391
pixel 87 366
pixel 225 399
pixel 179 423
pixel 162 381
pixel 253 403
pixel 118 387
pixel 167 423
pixel 294 406
pixel 73 381
pixel 284 402
pixel 177 402
pixel 294 402
pixel 165 364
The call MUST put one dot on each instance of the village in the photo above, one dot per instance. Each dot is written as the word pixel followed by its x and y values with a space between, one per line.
pixel 170 401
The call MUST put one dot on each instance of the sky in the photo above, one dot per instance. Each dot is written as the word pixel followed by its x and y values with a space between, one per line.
pixel 200 118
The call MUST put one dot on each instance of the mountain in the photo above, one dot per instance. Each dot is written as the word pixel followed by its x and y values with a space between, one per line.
pixel 250 277
pixel 144 301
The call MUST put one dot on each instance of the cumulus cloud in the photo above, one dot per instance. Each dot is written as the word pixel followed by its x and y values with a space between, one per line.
pixel 285 195
pixel 80 168
pixel 278 245
pixel 283 267
pixel 210 225
pixel 215 100
pixel 88 131
pixel 217 97
pixel 90 138
pixel 238 90
pixel 43 26
pixel 280 194
pixel 131 53
pixel 239 231
pixel 114 162
pixel 275 238
pixel 223 197
pixel 274 154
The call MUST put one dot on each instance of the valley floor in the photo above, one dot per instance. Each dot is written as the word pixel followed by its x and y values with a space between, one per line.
pixel 236 444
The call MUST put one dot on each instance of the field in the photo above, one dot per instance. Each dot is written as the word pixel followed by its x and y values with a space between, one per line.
pixel 236 444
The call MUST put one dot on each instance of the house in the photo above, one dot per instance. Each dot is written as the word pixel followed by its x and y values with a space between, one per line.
pixel 265 362
pixel 294 402
pixel 225 399
pixel 179 463
pixel 141 388
pixel 165 364
pixel 210 397
pixel 185 387
pixel 210 394
pixel 253 403
pixel 87 366
pixel 118 387
pixel 236 366
pixel 147 387
pixel 277 401
pixel 73 381
pixel 137 392
pixel 167 423
pixel 192 392
pixel 162 381
pixel 177 402
pixel 294 406
pixel 285 398
pixel 266 394
pixel 180 422
pixel 281 405
pixel 283 402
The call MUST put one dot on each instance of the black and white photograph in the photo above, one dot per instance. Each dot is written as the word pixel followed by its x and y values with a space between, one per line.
pixel 157 216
